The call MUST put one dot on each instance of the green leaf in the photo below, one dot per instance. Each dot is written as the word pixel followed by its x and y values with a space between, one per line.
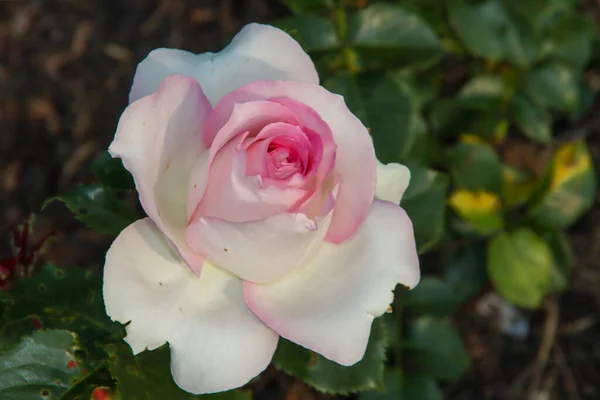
pixel 111 172
pixel 491 31
pixel 475 166
pixel 571 190
pixel 330 377
pixel 485 91
pixel 392 117
pixel 520 266
pixel 147 376
pixel 42 366
pixel 98 208
pixel 314 33
pixel 465 271
pixel 571 39
pixel 534 121
pixel 386 106
pixel 300 6
pixel 434 348
pixel 404 386
pixel 563 259
pixel 60 298
pixel 552 85
pixel 425 204
pixel 387 34
pixel 432 296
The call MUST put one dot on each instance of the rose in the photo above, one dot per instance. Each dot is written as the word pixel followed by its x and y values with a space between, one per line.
pixel 260 188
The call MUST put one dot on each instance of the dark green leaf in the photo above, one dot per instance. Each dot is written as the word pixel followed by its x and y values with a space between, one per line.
pixel 300 6
pixel 485 91
pixel 465 271
pixel 111 172
pixel 571 39
pixel 330 377
pixel 571 190
pixel 425 204
pixel 386 106
pixel 387 34
pixel 432 296
pixel 98 208
pixel 60 298
pixel 147 376
pixel 552 85
pixel 475 166
pixel 520 266
pixel 534 121
pixel 563 259
pixel 42 366
pixel 403 386
pixel 314 33
pixel 435 349
pixel 489 30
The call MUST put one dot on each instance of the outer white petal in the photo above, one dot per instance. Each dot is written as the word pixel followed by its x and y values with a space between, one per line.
pixel 392 181
pixel 256 53
pixel 216 342
pixel 159 140
pixel 328 306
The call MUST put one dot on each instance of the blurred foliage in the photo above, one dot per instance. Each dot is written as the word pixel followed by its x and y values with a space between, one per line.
pixel 468 94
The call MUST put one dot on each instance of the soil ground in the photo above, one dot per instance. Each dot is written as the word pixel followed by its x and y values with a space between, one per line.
pixel 65 71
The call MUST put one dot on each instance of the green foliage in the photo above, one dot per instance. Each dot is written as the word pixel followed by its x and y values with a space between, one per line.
pixel 520 265
pixel 99 208
pixel 443 87
pixel 405 386
pixel 465 271
pixel 147 376
pixel 475 166
pixel 42 366
pixel 314 33
pixel 425 204
pixel 389 35
pixel 111 172
pixel 59 298
pixel 330 377
pixel 571 188
pixel 435 349
pixel 432 296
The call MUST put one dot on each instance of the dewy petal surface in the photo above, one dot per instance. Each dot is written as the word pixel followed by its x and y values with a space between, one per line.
pixel 216 342
pixel 392 181
pixel 328 305
pixel 257 52
pixel 159 140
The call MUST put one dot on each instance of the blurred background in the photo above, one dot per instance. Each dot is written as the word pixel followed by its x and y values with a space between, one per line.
pixel 65 71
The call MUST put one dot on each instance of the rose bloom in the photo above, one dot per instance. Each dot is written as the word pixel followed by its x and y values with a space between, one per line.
pixel 268 214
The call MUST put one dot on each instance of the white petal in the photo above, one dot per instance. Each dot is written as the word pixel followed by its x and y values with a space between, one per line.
pixel 392 181
pixel 256 53
pixel 159 140
pixel 328 306
pixel 258 251
pixel 216 342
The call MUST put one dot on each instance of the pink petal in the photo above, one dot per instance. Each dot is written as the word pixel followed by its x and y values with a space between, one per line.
pixel 257 52
pixel 216 342
pixel 159 140
pixel 355 162
pixel 234 196
pixel 329 304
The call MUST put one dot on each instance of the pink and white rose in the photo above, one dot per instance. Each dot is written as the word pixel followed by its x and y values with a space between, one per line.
pixel 268 214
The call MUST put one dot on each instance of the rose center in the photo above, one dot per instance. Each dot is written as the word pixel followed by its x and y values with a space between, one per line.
pixel 284 162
